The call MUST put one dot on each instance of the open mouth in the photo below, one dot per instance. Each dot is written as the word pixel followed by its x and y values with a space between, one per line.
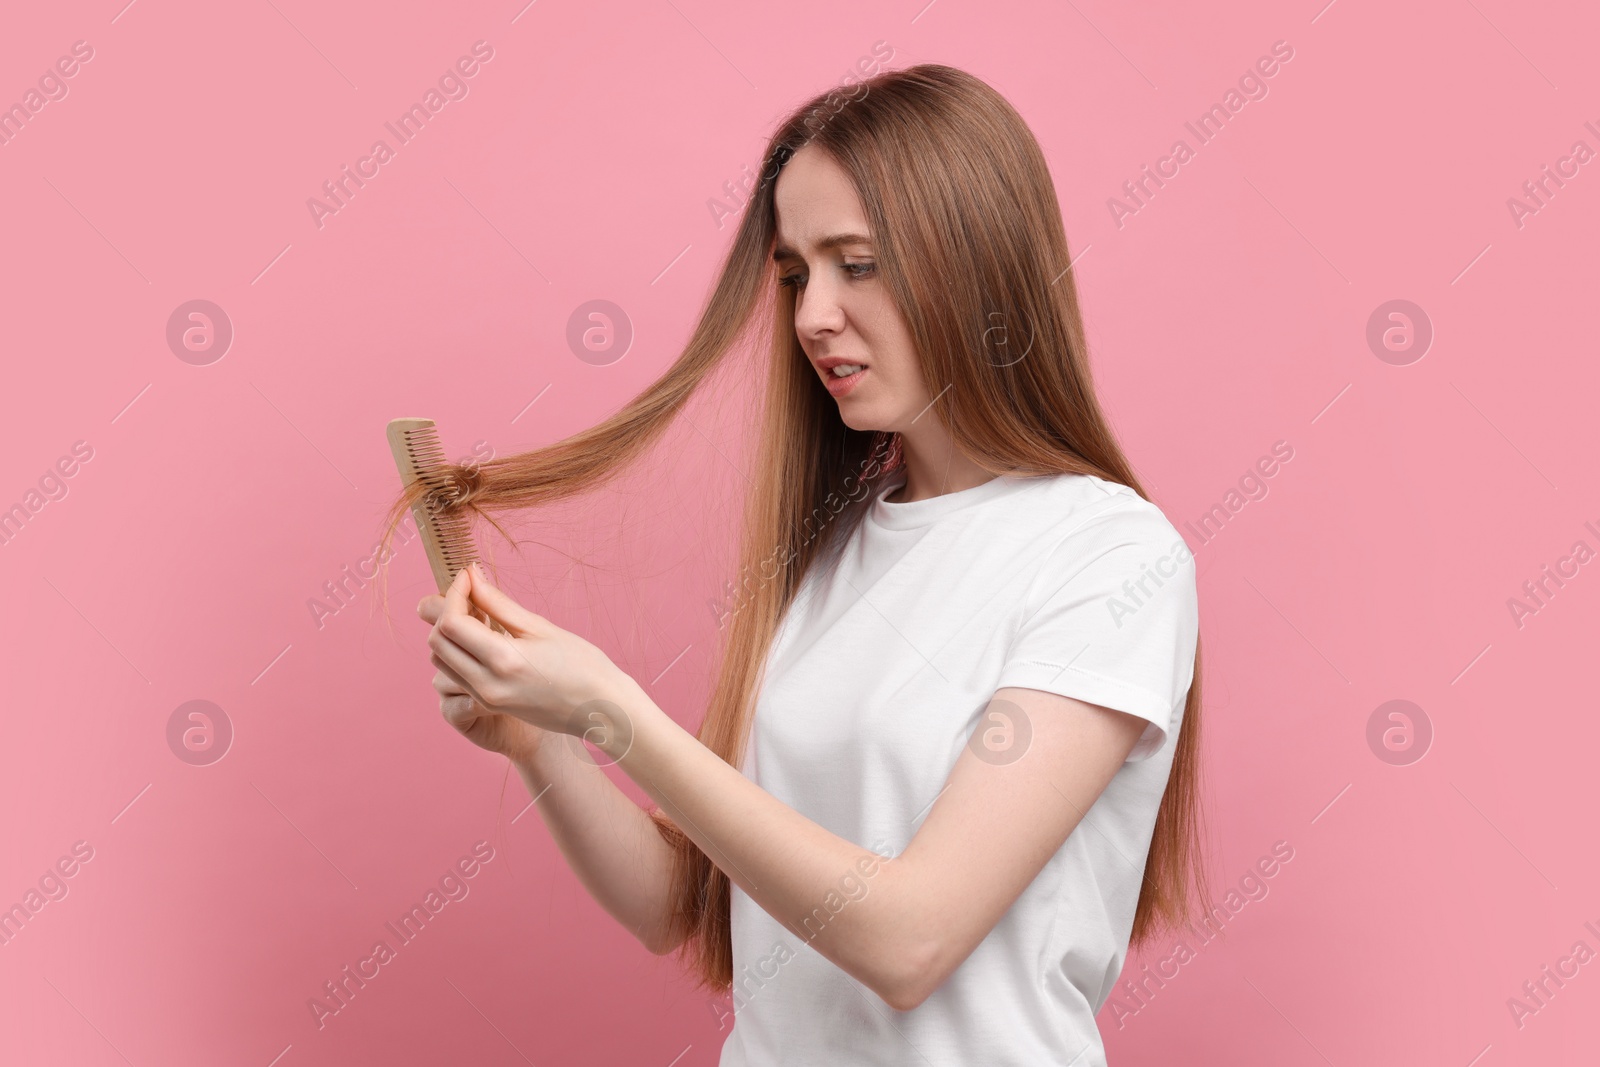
pixel 843 378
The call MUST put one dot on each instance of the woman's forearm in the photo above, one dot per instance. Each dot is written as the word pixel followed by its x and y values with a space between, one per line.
pixel 608 840
pixel 797 871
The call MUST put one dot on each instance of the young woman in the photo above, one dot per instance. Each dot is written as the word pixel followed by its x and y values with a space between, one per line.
pixel 949 766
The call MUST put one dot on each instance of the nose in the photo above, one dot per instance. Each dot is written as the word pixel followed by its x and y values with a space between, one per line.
pixel 817 308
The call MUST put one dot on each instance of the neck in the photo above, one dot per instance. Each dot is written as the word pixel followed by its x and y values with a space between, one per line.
pixel 934 469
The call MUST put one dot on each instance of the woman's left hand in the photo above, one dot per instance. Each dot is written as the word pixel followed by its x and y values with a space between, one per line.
pixel 536 672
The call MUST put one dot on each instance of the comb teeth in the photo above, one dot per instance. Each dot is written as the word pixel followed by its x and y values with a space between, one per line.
pixel 420 457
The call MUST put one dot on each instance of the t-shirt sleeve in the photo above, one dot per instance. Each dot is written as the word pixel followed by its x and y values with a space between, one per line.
pixel 1112 618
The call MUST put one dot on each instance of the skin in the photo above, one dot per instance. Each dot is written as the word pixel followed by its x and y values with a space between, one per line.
pixel 843 308
pixel 531 692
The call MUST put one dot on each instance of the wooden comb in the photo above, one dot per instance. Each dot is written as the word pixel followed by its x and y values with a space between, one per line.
pixel 447 539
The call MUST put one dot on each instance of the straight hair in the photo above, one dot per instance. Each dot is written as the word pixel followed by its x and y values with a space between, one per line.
pixel 969 239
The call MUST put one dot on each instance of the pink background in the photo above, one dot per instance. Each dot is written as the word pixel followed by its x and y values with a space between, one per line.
pixel 1229 313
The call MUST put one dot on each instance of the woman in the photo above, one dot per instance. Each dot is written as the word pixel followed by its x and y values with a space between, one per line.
pixel 949 766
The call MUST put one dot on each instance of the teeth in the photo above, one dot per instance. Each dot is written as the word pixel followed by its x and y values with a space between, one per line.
pixel 844 370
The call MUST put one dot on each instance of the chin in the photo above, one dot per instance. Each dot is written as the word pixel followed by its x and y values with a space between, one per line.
pixel 859 419
pixel 860 414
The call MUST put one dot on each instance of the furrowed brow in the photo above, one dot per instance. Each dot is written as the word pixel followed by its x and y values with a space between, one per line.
pixel 784 252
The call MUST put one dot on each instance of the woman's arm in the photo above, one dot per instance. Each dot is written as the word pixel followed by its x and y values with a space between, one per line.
pixel 989 832
pixel 900 926
pixel 608 841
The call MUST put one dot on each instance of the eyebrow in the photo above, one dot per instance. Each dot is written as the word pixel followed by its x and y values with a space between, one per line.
pixel 783 251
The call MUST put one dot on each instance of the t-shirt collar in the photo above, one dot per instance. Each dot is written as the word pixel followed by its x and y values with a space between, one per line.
pixel 911 514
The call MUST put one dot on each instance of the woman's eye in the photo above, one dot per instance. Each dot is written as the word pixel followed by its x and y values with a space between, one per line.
pixel 855 270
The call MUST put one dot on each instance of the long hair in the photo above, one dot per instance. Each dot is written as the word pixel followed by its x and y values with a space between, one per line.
pixel 969 240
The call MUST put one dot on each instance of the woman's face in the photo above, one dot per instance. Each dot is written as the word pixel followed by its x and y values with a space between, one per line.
pixel 843 313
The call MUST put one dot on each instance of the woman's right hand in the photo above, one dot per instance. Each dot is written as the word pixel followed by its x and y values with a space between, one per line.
pixel 505 734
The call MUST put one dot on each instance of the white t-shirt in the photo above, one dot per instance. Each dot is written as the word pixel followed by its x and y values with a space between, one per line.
pixel 878 675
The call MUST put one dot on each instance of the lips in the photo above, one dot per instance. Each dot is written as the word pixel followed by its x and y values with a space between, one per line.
pixel 839 386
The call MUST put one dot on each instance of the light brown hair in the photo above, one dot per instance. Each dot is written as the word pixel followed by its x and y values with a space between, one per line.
pixel 969 240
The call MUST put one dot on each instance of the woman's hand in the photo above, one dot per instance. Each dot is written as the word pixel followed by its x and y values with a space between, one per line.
pixel 535 675
pixel 510 737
